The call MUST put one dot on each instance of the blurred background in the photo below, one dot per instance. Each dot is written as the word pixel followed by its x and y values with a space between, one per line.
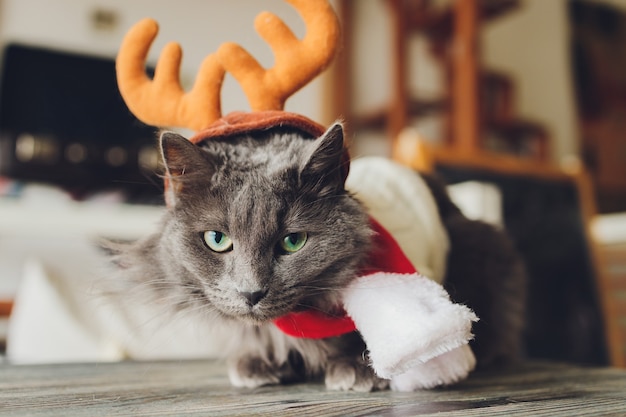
pixel 524 97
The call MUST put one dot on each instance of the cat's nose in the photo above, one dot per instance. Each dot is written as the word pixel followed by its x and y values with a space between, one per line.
pixel 253 297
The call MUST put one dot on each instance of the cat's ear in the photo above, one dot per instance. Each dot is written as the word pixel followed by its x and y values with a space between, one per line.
pixel 322 167
pixel 181 160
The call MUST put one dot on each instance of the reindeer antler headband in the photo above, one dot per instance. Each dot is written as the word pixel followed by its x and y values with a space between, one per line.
pixel 162 101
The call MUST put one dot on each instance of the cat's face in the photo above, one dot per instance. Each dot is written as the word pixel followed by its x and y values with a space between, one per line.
pixel 260 227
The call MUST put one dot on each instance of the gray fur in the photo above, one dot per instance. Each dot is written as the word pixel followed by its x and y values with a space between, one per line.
pixel 257 190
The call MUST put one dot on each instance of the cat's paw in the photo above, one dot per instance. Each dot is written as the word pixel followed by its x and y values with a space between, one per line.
pixel 353 374
pixel 252 372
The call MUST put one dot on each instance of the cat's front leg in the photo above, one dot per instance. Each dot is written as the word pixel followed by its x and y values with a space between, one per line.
pixel 252 371
pixel 350 373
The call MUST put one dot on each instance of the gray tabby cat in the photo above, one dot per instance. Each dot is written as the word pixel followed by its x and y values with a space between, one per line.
pixel 261 226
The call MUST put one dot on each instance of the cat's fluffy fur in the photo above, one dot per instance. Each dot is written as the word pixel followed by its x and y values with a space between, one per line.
pixel 257 190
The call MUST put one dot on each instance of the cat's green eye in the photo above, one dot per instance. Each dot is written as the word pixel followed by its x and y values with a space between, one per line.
pixel 218 241
pixel 293 242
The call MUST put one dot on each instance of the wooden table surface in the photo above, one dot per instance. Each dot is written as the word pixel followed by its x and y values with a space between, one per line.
pixel 201 388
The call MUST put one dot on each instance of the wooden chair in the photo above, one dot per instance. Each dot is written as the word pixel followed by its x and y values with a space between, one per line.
pixel 475 101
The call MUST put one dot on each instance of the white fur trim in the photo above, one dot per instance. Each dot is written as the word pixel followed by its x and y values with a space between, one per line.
pixel 445 369
pixel 399 199
pixel 405 320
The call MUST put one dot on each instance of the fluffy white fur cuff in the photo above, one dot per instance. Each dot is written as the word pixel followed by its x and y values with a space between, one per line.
pixel 407 320
pixel 444 369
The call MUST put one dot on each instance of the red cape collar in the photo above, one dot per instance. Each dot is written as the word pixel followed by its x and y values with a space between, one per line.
pixel 386 256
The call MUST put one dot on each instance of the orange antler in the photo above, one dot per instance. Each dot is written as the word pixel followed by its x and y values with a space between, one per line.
pixel 296 61
pixel 162 101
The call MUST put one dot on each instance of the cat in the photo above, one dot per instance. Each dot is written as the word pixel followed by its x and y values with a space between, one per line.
pixel 261 225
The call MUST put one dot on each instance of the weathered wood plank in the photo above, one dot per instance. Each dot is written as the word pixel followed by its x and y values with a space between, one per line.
pixel 201 388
